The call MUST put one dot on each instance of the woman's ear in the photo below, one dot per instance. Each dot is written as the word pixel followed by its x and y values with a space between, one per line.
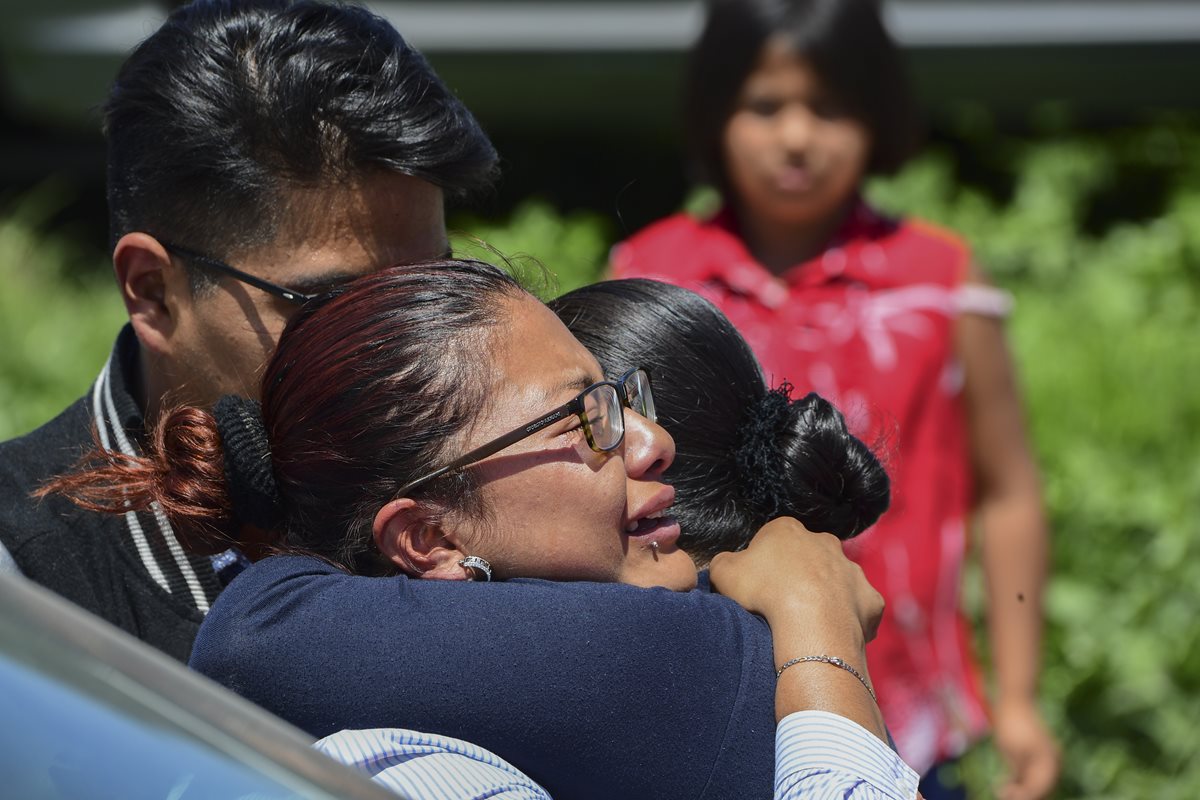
pixel 411 536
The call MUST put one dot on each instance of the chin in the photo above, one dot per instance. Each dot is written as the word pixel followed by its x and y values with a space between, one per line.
pixel 674 571
pixel 685 584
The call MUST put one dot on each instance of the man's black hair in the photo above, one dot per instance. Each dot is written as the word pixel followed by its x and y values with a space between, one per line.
pixel 847 45
pixel 232 103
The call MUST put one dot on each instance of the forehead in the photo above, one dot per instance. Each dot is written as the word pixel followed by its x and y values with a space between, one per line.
pixel 537 359
pixel 340 232
pixel 781 68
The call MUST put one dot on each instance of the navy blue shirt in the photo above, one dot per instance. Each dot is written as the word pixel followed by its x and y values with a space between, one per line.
pixel 594 690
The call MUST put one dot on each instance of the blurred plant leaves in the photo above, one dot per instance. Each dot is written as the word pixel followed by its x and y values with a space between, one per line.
pixel 56 328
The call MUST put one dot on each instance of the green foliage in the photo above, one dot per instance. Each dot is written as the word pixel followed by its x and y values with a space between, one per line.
pixel 1098 237
pixel 552 253
pixel 56 329
pixel 1105 332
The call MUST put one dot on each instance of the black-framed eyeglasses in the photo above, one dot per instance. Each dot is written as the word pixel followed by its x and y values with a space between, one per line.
pixel 291 295
pixel 601 409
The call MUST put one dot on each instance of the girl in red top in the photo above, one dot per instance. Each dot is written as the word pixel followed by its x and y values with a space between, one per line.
pixel 789 106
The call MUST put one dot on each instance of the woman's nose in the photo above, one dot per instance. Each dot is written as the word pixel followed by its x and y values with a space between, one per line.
pixel 649 449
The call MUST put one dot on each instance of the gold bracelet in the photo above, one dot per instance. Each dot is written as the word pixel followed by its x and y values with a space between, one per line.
pixel 835 661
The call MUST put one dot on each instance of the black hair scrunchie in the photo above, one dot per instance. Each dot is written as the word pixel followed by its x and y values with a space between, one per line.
pixel 248 472
pixel 758 456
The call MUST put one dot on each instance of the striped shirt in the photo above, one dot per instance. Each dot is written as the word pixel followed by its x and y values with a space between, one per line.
pixel 424 766
pixel 817 755
pixel 149 535
pixel 194 579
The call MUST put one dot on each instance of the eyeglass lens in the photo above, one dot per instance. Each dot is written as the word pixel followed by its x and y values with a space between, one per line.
pixel 604 416
pixel 641 399
pixel 602 408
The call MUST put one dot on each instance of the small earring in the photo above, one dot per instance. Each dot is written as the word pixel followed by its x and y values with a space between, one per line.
pixel 479 565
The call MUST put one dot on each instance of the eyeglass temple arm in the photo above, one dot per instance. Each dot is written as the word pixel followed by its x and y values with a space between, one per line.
pixel 496 445
pixel 244 277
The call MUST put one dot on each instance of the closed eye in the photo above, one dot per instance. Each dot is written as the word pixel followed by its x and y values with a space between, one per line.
pixel 830 108
pixel 571 427
pixel 763 106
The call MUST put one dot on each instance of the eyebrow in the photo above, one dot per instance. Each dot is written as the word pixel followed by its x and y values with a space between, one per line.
pixel 316 284
pixel 575 383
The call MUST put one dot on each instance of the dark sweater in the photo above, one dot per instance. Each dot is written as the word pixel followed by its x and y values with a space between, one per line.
pixel 126 569
pixel 594 690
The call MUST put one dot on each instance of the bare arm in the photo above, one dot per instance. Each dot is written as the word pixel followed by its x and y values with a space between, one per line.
pixel 1014 551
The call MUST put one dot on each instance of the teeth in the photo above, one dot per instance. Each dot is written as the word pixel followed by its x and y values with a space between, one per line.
pixel 631 527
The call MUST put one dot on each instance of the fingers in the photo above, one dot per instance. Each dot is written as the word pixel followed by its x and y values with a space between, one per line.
pixel 788 569
pixel 1032 757
pixel 1041 774
pixel 1033 774
pixel 1012 786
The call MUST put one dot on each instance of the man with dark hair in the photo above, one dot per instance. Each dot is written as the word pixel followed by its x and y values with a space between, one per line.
pixel 259 152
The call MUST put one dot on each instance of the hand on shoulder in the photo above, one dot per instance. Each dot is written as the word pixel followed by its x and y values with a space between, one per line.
pixel 788 570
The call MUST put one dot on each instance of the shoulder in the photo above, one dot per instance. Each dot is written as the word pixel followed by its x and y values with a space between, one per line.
pixel 663 247
pixel 929 252
pixel 294 613
pixel 311 587
pixel 28 461
pixel 939 255
pixel 933 234
pixel 53 445
pixel 667 230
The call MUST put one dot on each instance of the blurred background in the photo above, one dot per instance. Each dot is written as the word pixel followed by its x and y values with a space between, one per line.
pixel 1064 143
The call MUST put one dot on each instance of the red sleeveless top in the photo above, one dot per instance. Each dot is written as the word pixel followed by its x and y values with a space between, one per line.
pixel 869 325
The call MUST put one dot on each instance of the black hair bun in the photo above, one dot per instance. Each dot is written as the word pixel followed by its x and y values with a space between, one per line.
pixel 830 480
pixel 758 458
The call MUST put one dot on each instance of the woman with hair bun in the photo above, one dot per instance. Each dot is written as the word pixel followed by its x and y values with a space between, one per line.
pixel 743 454
pixel 431 442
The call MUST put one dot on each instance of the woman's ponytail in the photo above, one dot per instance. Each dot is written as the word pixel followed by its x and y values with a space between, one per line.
pixel 208 472
pixel 180 471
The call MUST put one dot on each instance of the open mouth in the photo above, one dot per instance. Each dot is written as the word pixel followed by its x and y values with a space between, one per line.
pixel 658 529
pixel 652 524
